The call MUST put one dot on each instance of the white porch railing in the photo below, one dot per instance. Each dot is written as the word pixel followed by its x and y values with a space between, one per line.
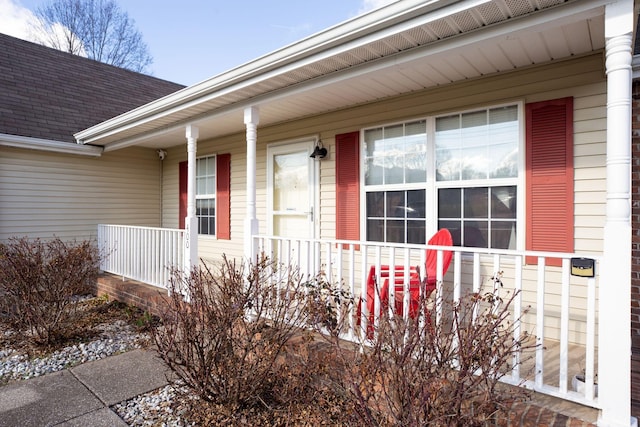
pixel 145 254
pixel 557 309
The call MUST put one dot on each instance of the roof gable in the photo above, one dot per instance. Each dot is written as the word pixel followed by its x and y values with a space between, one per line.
pixel 50 94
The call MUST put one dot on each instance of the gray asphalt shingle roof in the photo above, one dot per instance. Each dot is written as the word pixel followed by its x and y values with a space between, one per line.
pixel 50 94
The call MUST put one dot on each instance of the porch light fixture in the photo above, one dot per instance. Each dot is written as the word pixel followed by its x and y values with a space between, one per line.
pixel 319 152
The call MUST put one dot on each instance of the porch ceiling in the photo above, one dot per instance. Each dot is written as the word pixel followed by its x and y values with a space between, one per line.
pixel 405 47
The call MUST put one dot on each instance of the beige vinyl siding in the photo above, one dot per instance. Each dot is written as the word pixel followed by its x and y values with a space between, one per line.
pixel 46 194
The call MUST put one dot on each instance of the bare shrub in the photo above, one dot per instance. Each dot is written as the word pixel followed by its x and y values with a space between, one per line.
pixel 422 372
pixel 38 283
pixel 227 342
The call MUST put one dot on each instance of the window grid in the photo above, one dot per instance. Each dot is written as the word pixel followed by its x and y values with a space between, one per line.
pixel 206 195
pixel 475 153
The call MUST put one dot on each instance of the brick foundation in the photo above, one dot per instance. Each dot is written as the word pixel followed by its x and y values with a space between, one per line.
pixel 148 298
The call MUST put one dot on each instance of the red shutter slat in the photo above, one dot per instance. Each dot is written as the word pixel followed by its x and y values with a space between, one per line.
pixel 549 176
pixel 348 186
pixel 223 196
pixel 182 194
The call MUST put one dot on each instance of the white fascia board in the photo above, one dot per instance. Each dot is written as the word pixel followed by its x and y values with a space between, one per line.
pixel 356 31
pixel 39 144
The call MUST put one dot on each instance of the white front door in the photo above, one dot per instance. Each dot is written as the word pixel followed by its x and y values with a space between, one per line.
pixel 292 194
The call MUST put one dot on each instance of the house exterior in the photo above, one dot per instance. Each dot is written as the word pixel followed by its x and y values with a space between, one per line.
pixel 507 122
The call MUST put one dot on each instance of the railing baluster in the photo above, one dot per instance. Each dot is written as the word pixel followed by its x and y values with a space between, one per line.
pixel 591 339
pixel 517 316
pixel 564 326
pixel 539 379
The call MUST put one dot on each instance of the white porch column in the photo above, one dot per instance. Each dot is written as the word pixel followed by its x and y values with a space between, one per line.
pixel 191 221
pixel 614 347
pixel 251 120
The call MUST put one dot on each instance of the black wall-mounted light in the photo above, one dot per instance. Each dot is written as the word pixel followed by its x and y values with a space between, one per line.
pixel 319 152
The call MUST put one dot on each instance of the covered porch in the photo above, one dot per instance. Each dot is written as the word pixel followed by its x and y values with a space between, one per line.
pixel 408 60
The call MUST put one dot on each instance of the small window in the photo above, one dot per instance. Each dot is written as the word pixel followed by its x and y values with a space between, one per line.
pixel 206 195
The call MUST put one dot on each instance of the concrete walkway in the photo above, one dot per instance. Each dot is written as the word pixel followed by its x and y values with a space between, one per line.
pixel 81 396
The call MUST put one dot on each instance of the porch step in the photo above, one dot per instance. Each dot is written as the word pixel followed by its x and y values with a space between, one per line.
pixel 146 297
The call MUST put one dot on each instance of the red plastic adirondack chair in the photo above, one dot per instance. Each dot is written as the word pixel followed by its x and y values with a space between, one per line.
pixel 441 238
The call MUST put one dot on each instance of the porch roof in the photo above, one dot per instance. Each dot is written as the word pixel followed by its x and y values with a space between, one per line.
pixel 404 47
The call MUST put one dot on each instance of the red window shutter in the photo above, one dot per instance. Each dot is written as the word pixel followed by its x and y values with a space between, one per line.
pixel 348 186
pixel 549 177
pixel 223 196
pixel 182 191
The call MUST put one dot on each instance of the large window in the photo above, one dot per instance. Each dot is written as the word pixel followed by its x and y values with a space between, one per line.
pixel 206 195
pixel 466 163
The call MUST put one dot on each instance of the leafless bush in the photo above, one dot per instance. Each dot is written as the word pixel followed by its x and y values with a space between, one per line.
pixel 226 343
pixel 38 283
pixel 421 372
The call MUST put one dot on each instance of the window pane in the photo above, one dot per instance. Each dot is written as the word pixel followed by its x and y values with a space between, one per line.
pixel 204 226
pixel 478 145
pixel 454 228
pixel 475 163
pixel 416 129
pixel 416 232
pixel 447 141
pixel 394 168
pixel 503 135
pixel 374 149
pixel 476 202
pixel 395 204
pixel 503 114
pixel 375 205
pixel 505 160
pixel 415 167
pixel 212 225
pixel 449 203
pixel 211 166
pixel 375 230
pixel 416 204
pixel 211 188
pixel 395 231
pixel 201 167
pixel 475 234
pixel 503 235
pixel 503 202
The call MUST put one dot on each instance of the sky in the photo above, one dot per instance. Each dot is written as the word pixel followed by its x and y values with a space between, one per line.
pixel 192 40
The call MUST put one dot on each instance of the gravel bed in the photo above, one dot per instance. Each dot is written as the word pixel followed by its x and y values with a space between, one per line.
pixel 150 409
pixel 115 338
pixel 154 408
